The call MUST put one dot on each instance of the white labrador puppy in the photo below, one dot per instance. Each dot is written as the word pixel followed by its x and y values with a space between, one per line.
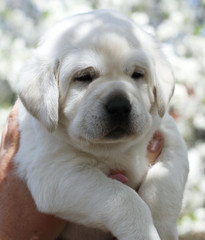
pixel 93 94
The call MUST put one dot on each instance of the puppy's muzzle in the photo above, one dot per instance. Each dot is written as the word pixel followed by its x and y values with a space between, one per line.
pixel 118 109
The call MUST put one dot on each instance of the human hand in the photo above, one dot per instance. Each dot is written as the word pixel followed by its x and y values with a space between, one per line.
pixel 19 218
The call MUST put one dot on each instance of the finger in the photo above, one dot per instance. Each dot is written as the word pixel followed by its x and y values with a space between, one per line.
pixel 155 147
pixel 14 110
pixel 10 136
pixel 13 132
pixel 4 137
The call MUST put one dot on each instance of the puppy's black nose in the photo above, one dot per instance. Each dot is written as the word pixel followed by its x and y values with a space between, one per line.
pixel 118 106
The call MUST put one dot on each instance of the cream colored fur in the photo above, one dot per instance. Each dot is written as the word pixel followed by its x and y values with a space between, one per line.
pixel 66 153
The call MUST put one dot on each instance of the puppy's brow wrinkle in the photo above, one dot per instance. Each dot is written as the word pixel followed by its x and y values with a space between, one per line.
pixel 86 75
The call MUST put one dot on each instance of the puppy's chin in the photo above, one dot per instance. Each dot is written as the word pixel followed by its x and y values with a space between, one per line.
pixel 115 136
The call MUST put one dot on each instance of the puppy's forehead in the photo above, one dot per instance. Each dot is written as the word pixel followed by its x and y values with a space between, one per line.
pixel 81 30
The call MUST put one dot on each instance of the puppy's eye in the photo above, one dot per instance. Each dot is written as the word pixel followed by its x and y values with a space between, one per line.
pixel 137 75
pixel 86 75
pixel 84 78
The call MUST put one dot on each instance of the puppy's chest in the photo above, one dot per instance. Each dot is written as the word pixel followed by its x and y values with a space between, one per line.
pixel 134 169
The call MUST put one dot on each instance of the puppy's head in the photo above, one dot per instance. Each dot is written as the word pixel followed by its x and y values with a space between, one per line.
pixel 99 76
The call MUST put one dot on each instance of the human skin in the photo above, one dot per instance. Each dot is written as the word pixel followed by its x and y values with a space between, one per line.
pixel 19 218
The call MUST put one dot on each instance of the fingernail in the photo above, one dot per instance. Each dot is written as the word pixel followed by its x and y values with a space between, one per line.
pixel 155 145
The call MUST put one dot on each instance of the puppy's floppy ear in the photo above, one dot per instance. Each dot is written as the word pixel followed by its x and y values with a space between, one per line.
pixel 39 91
pixel 163 88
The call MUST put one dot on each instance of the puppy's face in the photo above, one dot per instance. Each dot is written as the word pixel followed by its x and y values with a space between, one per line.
pixel 107 97
pixel 100 77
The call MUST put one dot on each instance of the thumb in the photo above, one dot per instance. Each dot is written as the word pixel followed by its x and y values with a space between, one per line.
pixel 155 147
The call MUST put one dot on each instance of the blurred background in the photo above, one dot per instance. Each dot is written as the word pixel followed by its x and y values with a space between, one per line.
pixel 178 24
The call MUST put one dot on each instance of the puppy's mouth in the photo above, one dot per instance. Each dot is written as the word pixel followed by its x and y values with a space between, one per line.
pixel 117 133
